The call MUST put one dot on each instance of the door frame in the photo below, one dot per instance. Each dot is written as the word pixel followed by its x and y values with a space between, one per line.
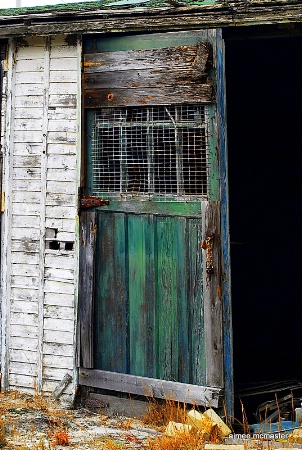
pixel 217 297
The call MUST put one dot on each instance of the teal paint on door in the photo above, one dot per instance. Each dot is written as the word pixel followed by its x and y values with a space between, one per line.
pixel 149 303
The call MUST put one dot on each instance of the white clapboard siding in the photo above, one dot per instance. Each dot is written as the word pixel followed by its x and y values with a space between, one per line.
pixel 41 131
pixel 28 124
pixel 24 221
pixel 26 233
pixel 24 332
pixel 61 199
pixel 63 64
pixel 61 161
pixel 29 78
pixel 59 113
pixel 23 344
pixel 62 274
pixel 57 76
pixel 58 349
pixel 28 102
pixel 56 336
pixel 27 161
pixel 27 65
pixel 27 270
pixel 22 382
pixel 63 224
pixel 26 209
pixel 27 148
pixel 57 361
pixel 26 185
pixel 27 173
pixel 21 305
pixel 68 212
pixel 58 299
pixel 26 282
pixel 25 356
pixel 59 187
pixel 59 286
pixel 58 312
pixel 24 294
pixel 24 368
pixel 24 245
pixel 62 125
pixel 60 175
pixel 64 100
pixel 55 373
pixel 59 261
pixel 26 197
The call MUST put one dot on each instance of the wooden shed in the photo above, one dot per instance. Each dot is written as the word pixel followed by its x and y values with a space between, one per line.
pixel 115 223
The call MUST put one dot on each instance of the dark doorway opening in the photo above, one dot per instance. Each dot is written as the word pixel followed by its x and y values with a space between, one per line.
pixel 264 110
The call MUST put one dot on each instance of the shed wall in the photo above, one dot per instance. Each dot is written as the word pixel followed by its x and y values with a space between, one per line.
pixel 40 142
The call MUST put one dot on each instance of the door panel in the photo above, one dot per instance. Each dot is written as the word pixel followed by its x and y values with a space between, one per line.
pixel 147 322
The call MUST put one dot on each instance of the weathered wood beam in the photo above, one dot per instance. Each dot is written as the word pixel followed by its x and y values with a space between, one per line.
pixel 186 393
pixel 153 19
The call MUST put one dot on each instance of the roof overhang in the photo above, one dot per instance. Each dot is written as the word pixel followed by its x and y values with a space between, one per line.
pixel 96 19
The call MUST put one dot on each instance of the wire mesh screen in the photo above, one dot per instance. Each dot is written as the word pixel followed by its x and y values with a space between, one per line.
pixel 154 151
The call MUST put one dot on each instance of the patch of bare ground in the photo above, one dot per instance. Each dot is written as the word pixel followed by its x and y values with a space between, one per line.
pixel 34 422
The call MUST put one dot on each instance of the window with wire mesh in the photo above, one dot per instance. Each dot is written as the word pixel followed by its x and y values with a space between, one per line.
pixel 155 151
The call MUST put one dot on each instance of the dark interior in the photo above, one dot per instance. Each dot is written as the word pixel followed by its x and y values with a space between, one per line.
pixel 264 110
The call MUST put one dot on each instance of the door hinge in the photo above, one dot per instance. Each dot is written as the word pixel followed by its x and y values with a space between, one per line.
pixel 87 201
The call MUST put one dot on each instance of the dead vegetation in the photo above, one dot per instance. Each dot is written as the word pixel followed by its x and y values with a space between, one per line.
pixel 34 422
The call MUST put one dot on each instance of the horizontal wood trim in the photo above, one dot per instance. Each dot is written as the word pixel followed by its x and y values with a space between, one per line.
pixel 141 79
pixel 187 393
pixel 179 57
pixel 186 209
pixel 153 96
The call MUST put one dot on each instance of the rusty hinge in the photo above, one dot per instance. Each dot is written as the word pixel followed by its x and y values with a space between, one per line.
pixel 87 201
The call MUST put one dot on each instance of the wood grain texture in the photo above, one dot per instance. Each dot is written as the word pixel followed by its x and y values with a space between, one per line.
pixel 154 19
pixel 187 393
pixel 147 77
pixel 85 348
pixel 143 313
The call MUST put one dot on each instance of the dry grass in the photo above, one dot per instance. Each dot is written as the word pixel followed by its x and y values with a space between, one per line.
pixel 160 414
pixel 181 441
pixel 60 437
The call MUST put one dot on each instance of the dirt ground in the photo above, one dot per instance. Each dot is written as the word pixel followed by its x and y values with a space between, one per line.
pixel 36 423
pixel 32 422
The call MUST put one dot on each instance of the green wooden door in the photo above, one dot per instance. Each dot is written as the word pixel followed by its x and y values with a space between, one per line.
pixel 151 151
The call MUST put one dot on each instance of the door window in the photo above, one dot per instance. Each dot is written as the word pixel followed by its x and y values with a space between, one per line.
pixel 156 151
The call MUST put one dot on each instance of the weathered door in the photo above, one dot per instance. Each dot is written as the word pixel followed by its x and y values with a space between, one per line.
pixel 151 117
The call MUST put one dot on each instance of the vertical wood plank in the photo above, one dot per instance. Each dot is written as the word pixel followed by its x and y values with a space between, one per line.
pixel 141 294
pixel 88 234
pixel 196 303
pixel 42 215
pixel 111 325
pixel 182 268
pixel 166 299
pixel 7 216
pixel 213 301
pixel 225 229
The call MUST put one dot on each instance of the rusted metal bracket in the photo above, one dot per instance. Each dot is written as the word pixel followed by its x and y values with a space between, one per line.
pixel 207 245
pixel 87 201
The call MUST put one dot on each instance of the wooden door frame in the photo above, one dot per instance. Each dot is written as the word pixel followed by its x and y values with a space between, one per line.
pixel 217 297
